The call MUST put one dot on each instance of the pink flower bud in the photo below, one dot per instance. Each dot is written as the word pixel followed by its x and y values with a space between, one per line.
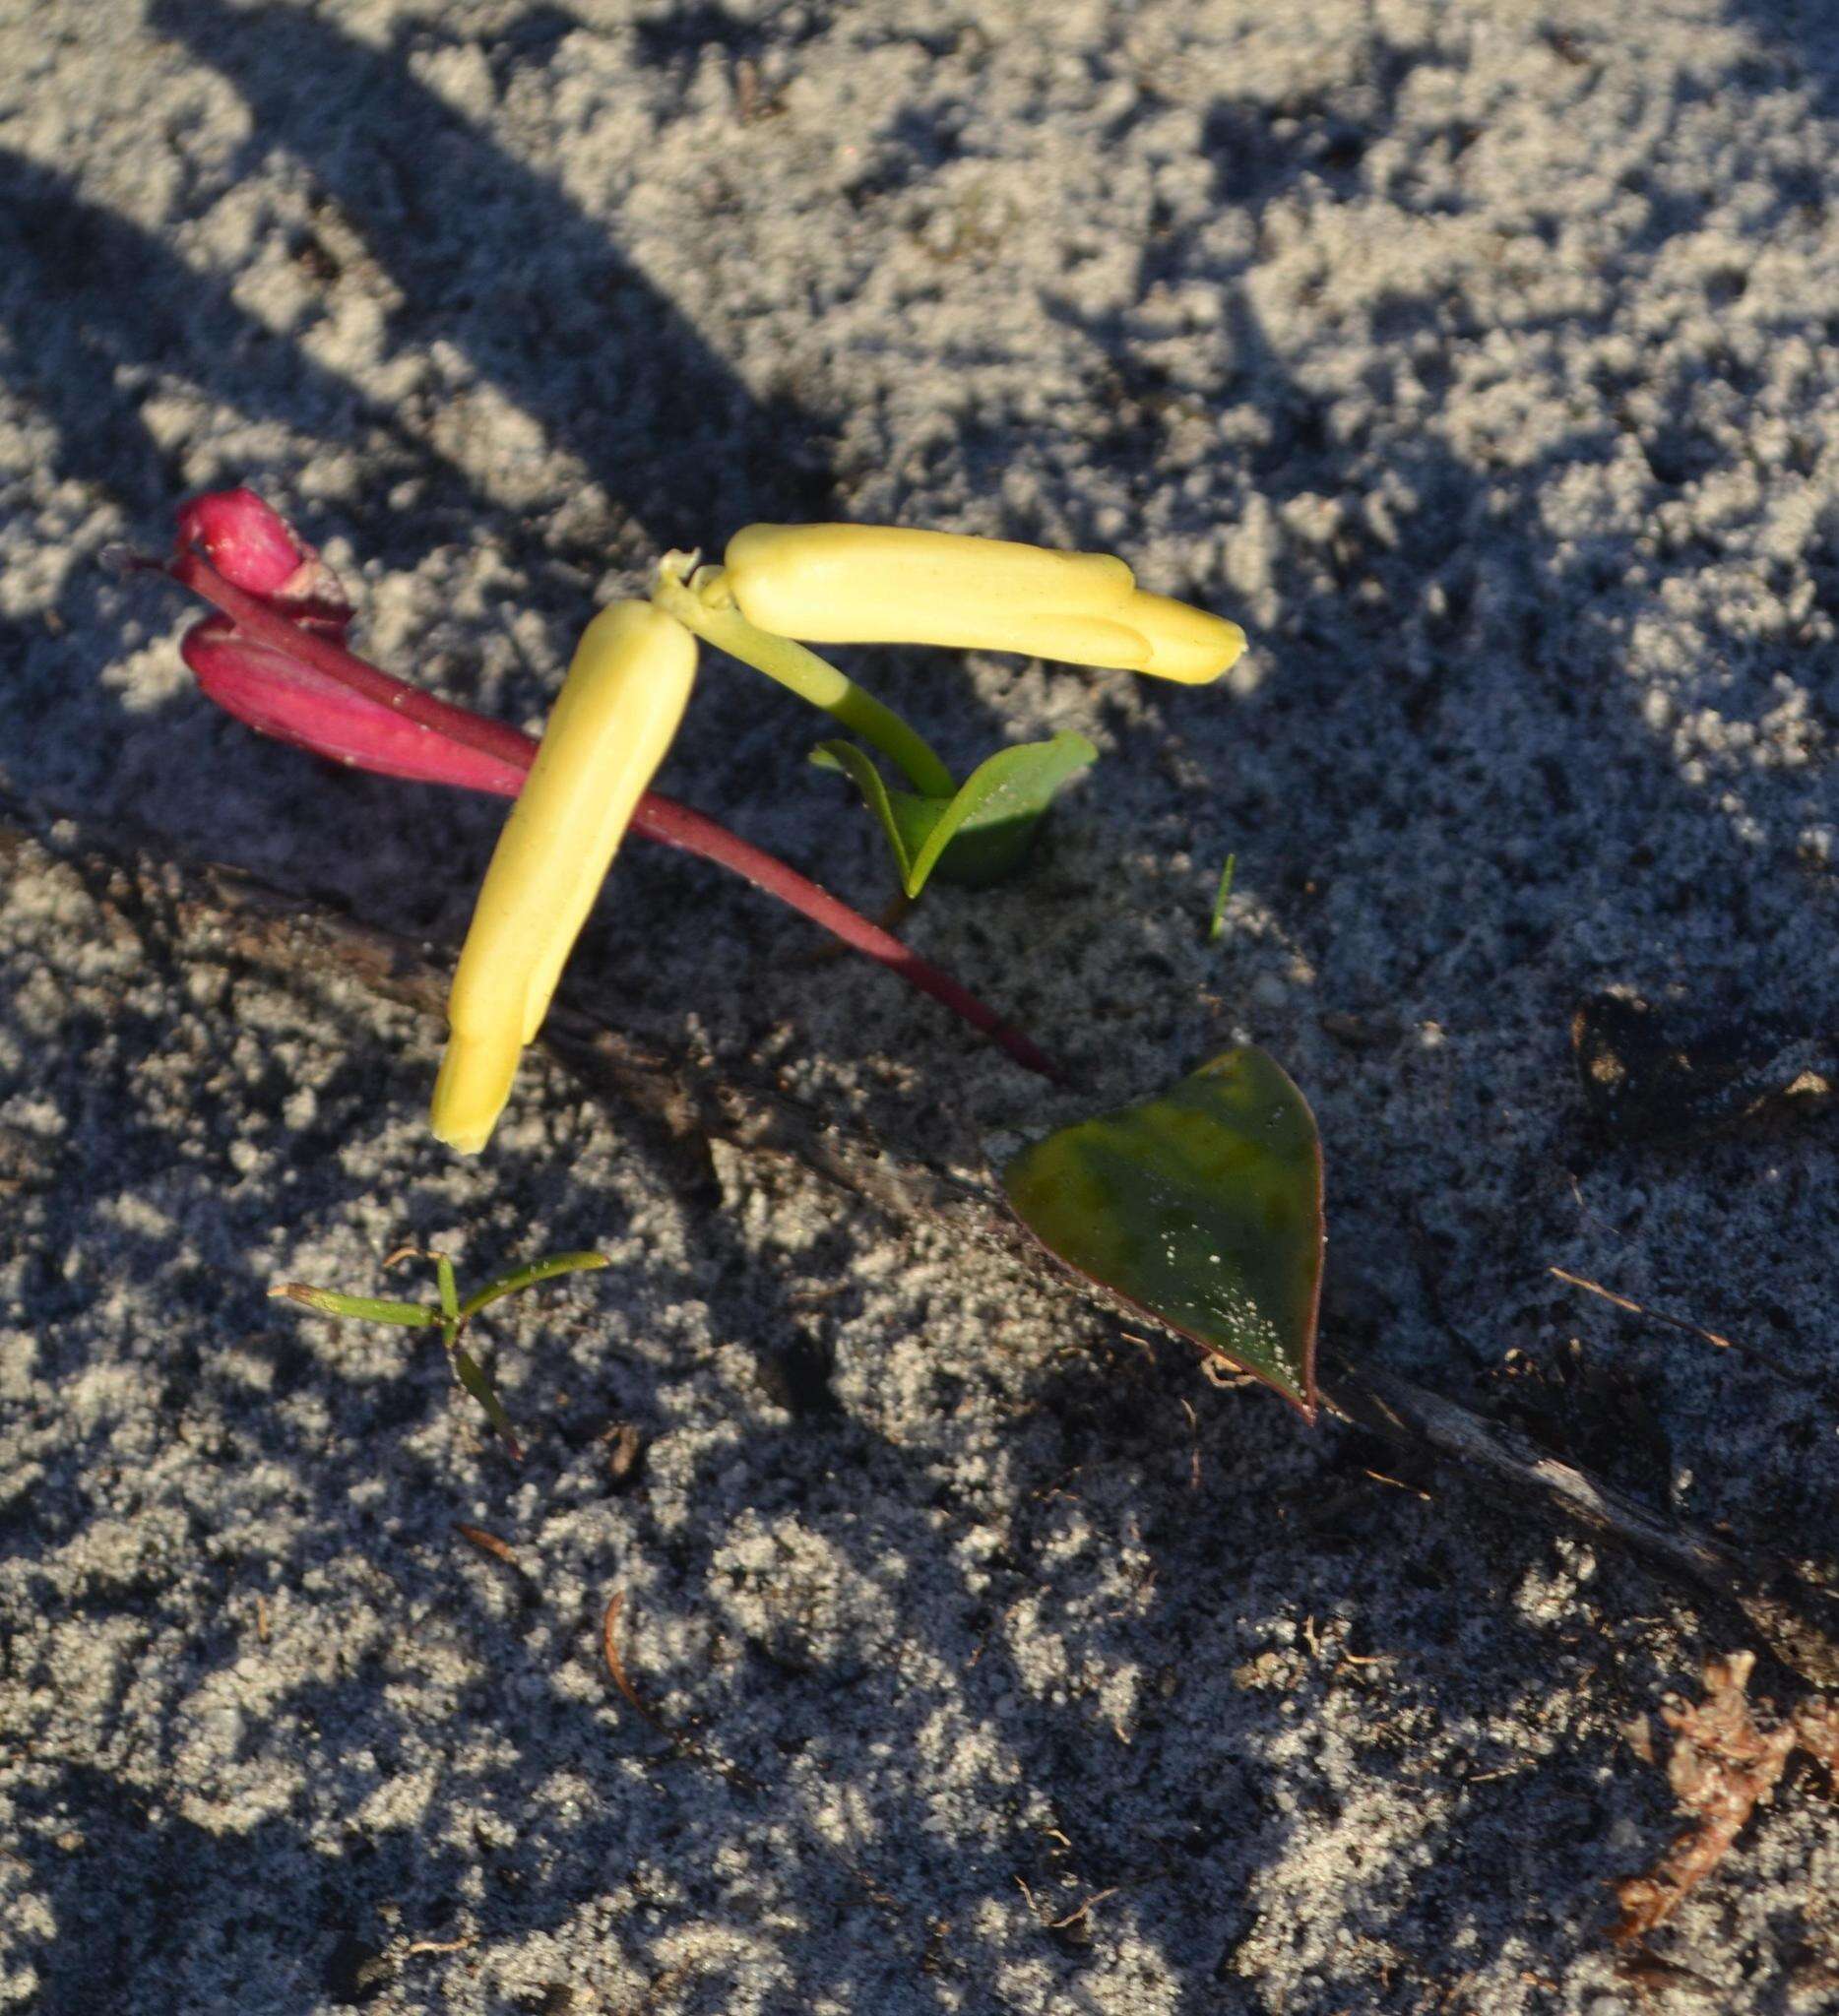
pixel 276 657
pixel 279 695
pixel 256 549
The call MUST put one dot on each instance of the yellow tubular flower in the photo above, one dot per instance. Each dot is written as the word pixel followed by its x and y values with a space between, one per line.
pixel 612 722
pixel 881 584
pixel 1184 643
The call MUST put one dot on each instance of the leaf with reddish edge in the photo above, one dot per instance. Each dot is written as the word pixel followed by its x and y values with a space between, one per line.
pixel 1202 1209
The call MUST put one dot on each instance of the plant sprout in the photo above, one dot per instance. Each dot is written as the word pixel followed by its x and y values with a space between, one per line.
pixel 450 1319
pixel 1216 923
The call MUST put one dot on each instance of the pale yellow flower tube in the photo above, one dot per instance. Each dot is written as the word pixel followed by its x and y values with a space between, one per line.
pixel 1186 644
pixel 880 584
pixel 611 723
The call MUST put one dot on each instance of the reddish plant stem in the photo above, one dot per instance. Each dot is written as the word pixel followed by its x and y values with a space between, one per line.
pixel 657 817
pixel 680 826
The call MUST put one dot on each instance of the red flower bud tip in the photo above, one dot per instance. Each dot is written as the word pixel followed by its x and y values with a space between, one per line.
pixel 255 548
pixel 279 695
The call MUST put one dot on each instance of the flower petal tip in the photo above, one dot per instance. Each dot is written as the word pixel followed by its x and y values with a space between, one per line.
pixel 471 1091
pixel 1188 645
pixel 245 539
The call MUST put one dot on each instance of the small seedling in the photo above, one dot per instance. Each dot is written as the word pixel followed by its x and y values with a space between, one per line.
pixel 1216 927
pixel 450 1319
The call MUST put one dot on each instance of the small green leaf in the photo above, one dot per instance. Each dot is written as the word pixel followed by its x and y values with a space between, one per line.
pixel 980 835
pixel 1216 929
pixel 450 1319
pixel 1202 1208
pixel 471 1375
pixel 328 1303
pixel 521 1277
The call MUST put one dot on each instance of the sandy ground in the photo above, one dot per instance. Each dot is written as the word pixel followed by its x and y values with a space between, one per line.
pixel 1479 357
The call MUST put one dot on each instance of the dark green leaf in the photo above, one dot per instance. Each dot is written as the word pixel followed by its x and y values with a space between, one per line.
pixel 982 834
pixel 471 1375
pixel 1202 1208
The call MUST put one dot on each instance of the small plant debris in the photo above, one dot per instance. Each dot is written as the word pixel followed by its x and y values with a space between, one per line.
pixel 1727 1760
pixel 1651 1078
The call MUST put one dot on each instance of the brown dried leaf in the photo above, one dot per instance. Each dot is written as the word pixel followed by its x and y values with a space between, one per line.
pixel 684 1746
pixel 1724 1765
pixel 625 1455
pixel 487 1542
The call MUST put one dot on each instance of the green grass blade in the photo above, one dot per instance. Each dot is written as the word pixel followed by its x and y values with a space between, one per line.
pixel 328 1303
pixel 1216 929
pixel 471 1375
pixel 521 1277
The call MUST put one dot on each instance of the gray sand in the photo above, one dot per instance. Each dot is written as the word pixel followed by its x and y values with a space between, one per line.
pixel 1477 354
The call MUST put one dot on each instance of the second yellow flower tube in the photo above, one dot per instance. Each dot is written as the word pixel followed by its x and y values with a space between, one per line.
pixel 883 584
pixel 610 727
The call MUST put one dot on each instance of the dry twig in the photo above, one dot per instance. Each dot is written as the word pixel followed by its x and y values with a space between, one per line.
pixel 684 1746
pixel 1667 1321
